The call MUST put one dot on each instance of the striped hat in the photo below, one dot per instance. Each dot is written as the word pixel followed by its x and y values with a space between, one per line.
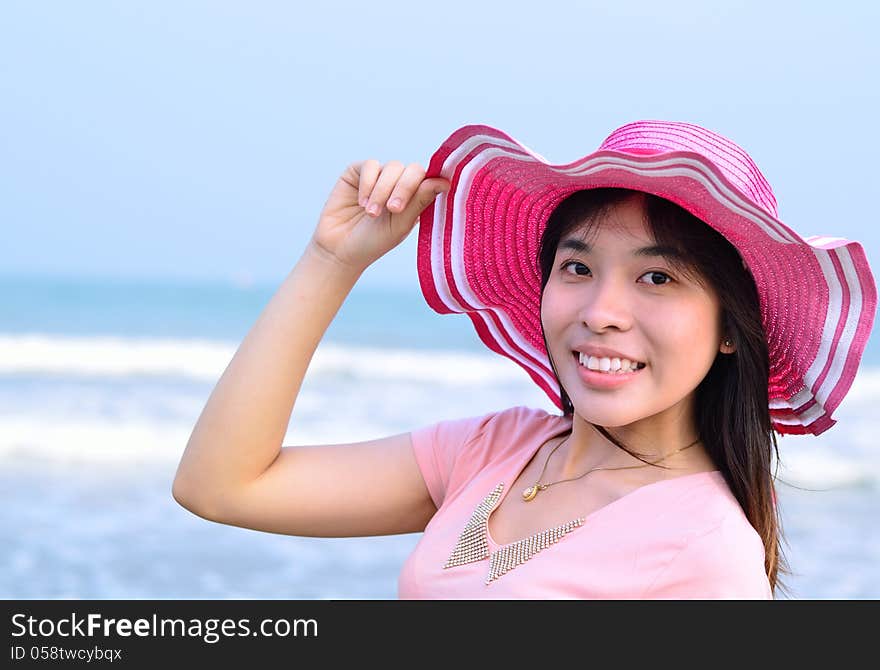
pixel 478 244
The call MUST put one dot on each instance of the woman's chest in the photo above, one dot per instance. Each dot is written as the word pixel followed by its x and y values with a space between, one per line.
pixel 536 555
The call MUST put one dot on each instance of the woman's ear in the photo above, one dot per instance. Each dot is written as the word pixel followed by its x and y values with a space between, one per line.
pixel 727 346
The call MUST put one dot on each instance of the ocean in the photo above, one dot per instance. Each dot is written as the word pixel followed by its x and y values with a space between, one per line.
pixel 101 383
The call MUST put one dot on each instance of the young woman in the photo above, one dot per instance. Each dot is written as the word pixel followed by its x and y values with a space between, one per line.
pixel 649 288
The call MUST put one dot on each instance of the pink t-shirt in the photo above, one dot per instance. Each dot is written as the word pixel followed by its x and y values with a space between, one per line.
pixel 680 538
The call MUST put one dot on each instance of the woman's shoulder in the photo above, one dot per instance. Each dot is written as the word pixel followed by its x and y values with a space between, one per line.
pixel 452 452
pixel 709 508
pixel 519 420
pixel 709 547
pixel 529 417
pixel 492 431
pixel 508 433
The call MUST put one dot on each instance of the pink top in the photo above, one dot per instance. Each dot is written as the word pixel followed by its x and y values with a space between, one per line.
pixel 681 538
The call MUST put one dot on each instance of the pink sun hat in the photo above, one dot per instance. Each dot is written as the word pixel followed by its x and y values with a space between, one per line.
pixel 478 244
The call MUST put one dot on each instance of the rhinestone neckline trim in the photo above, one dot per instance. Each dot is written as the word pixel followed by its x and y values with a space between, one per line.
pixel 473 542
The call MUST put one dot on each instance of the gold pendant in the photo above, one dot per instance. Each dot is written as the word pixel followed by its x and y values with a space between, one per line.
pixel 530 493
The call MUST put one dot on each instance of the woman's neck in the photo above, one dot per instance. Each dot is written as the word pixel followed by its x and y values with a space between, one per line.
pixel 675 446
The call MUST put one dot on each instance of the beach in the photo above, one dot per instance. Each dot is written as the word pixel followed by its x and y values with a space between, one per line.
pixel 101 384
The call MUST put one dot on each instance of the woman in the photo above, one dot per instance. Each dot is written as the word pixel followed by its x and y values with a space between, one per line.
pixel 648 288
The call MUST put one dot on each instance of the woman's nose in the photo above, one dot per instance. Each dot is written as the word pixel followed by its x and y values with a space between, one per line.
pixel 605 305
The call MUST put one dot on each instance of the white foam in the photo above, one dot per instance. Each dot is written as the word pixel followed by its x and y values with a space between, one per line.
pixel 91 439
pixel 350 394
pixel 113 356
pixel 205 360
pixel 57 441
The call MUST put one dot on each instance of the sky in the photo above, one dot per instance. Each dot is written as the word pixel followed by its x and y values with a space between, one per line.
pixel 199 140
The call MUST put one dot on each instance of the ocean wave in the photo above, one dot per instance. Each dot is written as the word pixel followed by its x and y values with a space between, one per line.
pixel 205 360
pixel 41 440
pixel 106 399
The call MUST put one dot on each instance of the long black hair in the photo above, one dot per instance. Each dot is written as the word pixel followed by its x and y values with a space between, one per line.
pixel 732 404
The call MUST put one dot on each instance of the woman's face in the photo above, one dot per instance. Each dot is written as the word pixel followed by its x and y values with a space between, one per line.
pixel 603 292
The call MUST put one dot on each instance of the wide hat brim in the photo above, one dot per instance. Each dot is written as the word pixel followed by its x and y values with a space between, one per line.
pixel 478 245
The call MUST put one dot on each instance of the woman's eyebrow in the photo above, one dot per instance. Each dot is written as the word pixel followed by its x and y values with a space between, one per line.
pixel 656 250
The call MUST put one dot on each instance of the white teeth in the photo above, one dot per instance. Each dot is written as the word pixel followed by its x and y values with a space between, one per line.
pixel 609 365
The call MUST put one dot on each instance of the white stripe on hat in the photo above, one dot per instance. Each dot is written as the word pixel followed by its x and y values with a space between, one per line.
pixel 439 228
pixel 844 344
pixel 457 255
pixel 847 335
pixel 672 167
pixel 832 317
pixel 824 241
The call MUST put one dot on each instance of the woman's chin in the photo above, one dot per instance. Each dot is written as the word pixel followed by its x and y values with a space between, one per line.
pixel 609 419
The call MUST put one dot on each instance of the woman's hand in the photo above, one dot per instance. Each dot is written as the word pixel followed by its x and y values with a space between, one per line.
pixel 371 210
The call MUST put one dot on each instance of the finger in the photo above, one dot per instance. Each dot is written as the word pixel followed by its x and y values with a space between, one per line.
pixel 384 185
pixel 406 187
pixel 427 192
pixel 369 173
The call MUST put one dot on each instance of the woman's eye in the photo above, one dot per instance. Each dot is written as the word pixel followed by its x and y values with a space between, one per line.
pixel 577 265
pixel 655 276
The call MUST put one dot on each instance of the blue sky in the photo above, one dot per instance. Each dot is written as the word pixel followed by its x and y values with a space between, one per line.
pixel 199 140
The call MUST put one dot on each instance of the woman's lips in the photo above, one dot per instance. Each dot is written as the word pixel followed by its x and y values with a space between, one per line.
pixel 603 380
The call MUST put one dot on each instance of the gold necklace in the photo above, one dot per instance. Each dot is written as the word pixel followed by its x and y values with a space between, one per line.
pixel 530 493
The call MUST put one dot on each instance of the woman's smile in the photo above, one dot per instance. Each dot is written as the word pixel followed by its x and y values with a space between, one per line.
pixel 611 373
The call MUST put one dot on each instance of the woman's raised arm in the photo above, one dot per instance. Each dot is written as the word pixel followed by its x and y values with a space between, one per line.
pixel 234 469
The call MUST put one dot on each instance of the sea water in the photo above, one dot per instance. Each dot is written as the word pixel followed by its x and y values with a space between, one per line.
pixel 101 383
